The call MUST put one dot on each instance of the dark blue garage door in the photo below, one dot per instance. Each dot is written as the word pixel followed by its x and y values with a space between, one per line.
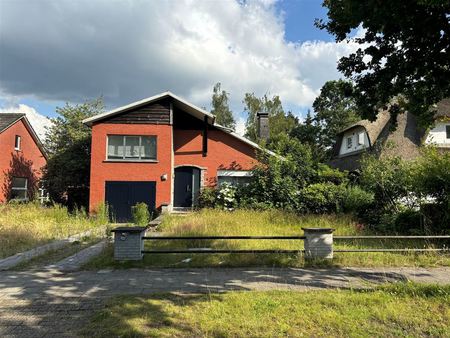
pixel 122 195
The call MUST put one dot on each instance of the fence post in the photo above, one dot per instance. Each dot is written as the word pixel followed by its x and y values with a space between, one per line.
pixel 128 243
pixel 318 243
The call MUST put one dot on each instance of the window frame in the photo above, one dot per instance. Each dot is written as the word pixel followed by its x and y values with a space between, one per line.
pixel 17 142
pixel 20 189
pixel 349 144
pixel 131 159
pixel 234 175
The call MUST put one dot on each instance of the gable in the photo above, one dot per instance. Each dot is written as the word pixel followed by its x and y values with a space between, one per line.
pixel 7 120
pixel 152 113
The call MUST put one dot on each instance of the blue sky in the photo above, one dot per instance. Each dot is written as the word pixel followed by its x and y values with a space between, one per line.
pixel 52 52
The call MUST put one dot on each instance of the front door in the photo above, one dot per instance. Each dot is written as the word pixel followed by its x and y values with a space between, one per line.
pixel 187 186
pixel 120 196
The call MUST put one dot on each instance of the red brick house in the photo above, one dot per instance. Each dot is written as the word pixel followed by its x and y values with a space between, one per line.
pixel 22 157
pixel 161 150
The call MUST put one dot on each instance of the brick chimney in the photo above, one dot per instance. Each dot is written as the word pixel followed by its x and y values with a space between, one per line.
pixel 262 119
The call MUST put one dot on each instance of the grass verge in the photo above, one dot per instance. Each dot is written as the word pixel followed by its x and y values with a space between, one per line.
pixel 25 226
pixel 398 310
pixel 245 222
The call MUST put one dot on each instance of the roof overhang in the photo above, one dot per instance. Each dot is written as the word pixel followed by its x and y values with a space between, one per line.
pixel 177 101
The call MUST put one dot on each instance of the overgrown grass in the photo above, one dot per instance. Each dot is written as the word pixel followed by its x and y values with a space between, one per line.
pixel 24 226
pixel 246 222
pixel 399 310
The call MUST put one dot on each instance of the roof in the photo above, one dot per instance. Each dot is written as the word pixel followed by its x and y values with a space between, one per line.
pixel 443 108
pixel 179 102
pixel 373 128
pixel 9 119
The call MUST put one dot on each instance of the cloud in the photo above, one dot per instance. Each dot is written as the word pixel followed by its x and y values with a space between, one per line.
pixel 77 50
pixel 37 121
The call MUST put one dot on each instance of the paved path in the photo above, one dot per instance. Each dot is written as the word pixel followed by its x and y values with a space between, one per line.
pixel 55 304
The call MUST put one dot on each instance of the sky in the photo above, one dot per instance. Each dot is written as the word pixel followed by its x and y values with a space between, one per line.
pixel 57 51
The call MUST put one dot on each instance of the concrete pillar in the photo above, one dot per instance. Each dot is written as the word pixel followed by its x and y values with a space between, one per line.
pixel 128 243
pixel 318 243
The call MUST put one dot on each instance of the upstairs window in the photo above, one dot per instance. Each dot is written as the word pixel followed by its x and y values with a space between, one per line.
pixel 447 131
pixel 349 142
pixel 19 188
pixel 361 139
pixel 17 142
pixel 131 148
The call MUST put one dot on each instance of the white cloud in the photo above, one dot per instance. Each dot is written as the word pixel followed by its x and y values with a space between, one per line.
pixel 76 50
pixel 240 125
pixel 37 121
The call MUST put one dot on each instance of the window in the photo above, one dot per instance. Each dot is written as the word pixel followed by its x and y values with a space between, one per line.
pixel 349 142
pixel 361 138
pixel 19 188
pixel 234 177
pixel 447 131
pixel 17 142
pixel 131 148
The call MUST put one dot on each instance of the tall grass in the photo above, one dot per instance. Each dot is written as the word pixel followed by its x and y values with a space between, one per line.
pixel 24 226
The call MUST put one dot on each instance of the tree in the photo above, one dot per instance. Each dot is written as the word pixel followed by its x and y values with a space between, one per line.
pixel 220 107
pixel 335 109
pixel 279 121
pixel 308 132
pixel 404 50
pixel 68 142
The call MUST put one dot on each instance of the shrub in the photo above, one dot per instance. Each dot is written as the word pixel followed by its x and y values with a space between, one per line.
pixel 355 199
pixel 226 196
pixel 140 214
pixel 207 197
pixel 322 197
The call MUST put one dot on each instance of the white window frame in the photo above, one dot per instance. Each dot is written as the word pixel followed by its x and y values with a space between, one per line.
pixel 233 173
pixel 17 142
pixel 21 189
pixel 131 159
pixel 361 138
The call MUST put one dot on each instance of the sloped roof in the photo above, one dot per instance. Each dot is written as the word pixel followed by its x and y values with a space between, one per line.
pixel 443 108
pixel 180 103
pixel 8 119
pixel 373 128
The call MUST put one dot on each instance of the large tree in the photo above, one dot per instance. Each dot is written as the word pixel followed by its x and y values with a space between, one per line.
pixel 68 142
pixel 335 109
pixel 404 50
pixel 279 121
pixel 220 108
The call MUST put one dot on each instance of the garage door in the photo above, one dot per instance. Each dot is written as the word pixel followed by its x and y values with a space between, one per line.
pixel 122 195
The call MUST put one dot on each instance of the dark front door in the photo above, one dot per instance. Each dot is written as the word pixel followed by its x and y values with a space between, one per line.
pixel 187 185
pixel 120 196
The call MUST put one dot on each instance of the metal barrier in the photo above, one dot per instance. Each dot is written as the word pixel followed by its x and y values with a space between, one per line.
pixel 129 244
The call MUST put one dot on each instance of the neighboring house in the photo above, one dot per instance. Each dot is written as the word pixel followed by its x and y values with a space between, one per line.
pixel 439 134
pixel 381 137
pixel 162 151
pixel 22 157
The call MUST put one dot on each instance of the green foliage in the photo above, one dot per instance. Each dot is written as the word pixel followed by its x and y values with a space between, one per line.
pixel 220 108
pixel 140 214
pixel 404 50
pixel 356 199
pixel 322 197
pixel 69 144
pixel 207 197
pixel 279 121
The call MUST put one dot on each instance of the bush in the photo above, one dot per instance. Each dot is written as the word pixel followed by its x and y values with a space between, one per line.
pixel 322 197
pixel 207 198
pixel 356 199
pixel 226 196
pixel 409 221
pixel 140 214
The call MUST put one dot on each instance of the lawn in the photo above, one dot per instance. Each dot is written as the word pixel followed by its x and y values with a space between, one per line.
pixel 398 310
pixel 245 222
pixel 24 226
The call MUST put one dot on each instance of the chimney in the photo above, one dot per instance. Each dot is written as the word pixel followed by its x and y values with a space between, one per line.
pixel 262 119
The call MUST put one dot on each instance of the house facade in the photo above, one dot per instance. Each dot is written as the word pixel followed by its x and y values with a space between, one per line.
pixel 161 151
pixel 439 134
pixel 22 158
pixel 382 137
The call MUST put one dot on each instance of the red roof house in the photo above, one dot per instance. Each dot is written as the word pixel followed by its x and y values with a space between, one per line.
pixel 22 157
pixel 161 151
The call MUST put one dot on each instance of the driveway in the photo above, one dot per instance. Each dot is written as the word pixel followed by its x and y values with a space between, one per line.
pixel 50 303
